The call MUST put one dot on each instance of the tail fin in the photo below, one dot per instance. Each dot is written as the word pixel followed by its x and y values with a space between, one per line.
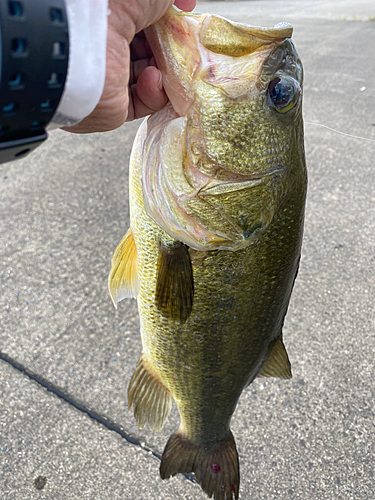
pixel 216 468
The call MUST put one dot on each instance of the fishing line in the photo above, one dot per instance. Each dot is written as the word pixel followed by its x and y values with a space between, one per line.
pixel 342 133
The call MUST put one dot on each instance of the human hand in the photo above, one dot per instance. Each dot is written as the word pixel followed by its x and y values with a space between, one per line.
pixel 133 85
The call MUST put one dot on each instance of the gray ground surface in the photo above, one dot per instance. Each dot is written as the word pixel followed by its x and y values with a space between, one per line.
pixel 62 212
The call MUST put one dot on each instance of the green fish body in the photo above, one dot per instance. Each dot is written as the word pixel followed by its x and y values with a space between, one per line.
pixel 217 194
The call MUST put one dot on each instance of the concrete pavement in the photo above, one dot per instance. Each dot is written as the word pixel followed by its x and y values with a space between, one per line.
pixel 63 211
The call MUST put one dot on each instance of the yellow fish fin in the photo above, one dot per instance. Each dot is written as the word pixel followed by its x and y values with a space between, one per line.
pixel 278 364
pixel 175 283
pixel 152 402
pixel 123 277
pixel 216 467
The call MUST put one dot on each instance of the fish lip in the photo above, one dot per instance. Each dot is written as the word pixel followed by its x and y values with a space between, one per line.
pixel 165 39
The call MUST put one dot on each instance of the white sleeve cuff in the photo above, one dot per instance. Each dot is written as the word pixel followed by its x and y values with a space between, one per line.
pixel 87 21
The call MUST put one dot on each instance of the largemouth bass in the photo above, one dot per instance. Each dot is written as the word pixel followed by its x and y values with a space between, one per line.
pixel 217 194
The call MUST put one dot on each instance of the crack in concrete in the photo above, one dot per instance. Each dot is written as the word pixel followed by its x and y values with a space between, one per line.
pixel 79 406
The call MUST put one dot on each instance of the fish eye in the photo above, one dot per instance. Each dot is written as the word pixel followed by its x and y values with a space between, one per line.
pixel 283 94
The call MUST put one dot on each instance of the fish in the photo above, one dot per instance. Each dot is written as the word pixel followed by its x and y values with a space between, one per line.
pixel 217 194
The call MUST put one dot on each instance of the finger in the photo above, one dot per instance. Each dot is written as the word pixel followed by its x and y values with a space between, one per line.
pixel 147 95
pixel 186 5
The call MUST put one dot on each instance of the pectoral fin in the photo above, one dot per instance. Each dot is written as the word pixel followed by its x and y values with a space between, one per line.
pixel 278 364
pixel 175 283
pixel 123 277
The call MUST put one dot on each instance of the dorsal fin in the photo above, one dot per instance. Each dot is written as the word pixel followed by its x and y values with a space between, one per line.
pixel 278 364
pixel 175 283
pixel 123 277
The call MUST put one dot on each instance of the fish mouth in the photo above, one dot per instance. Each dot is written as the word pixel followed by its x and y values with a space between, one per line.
pixel 189 46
